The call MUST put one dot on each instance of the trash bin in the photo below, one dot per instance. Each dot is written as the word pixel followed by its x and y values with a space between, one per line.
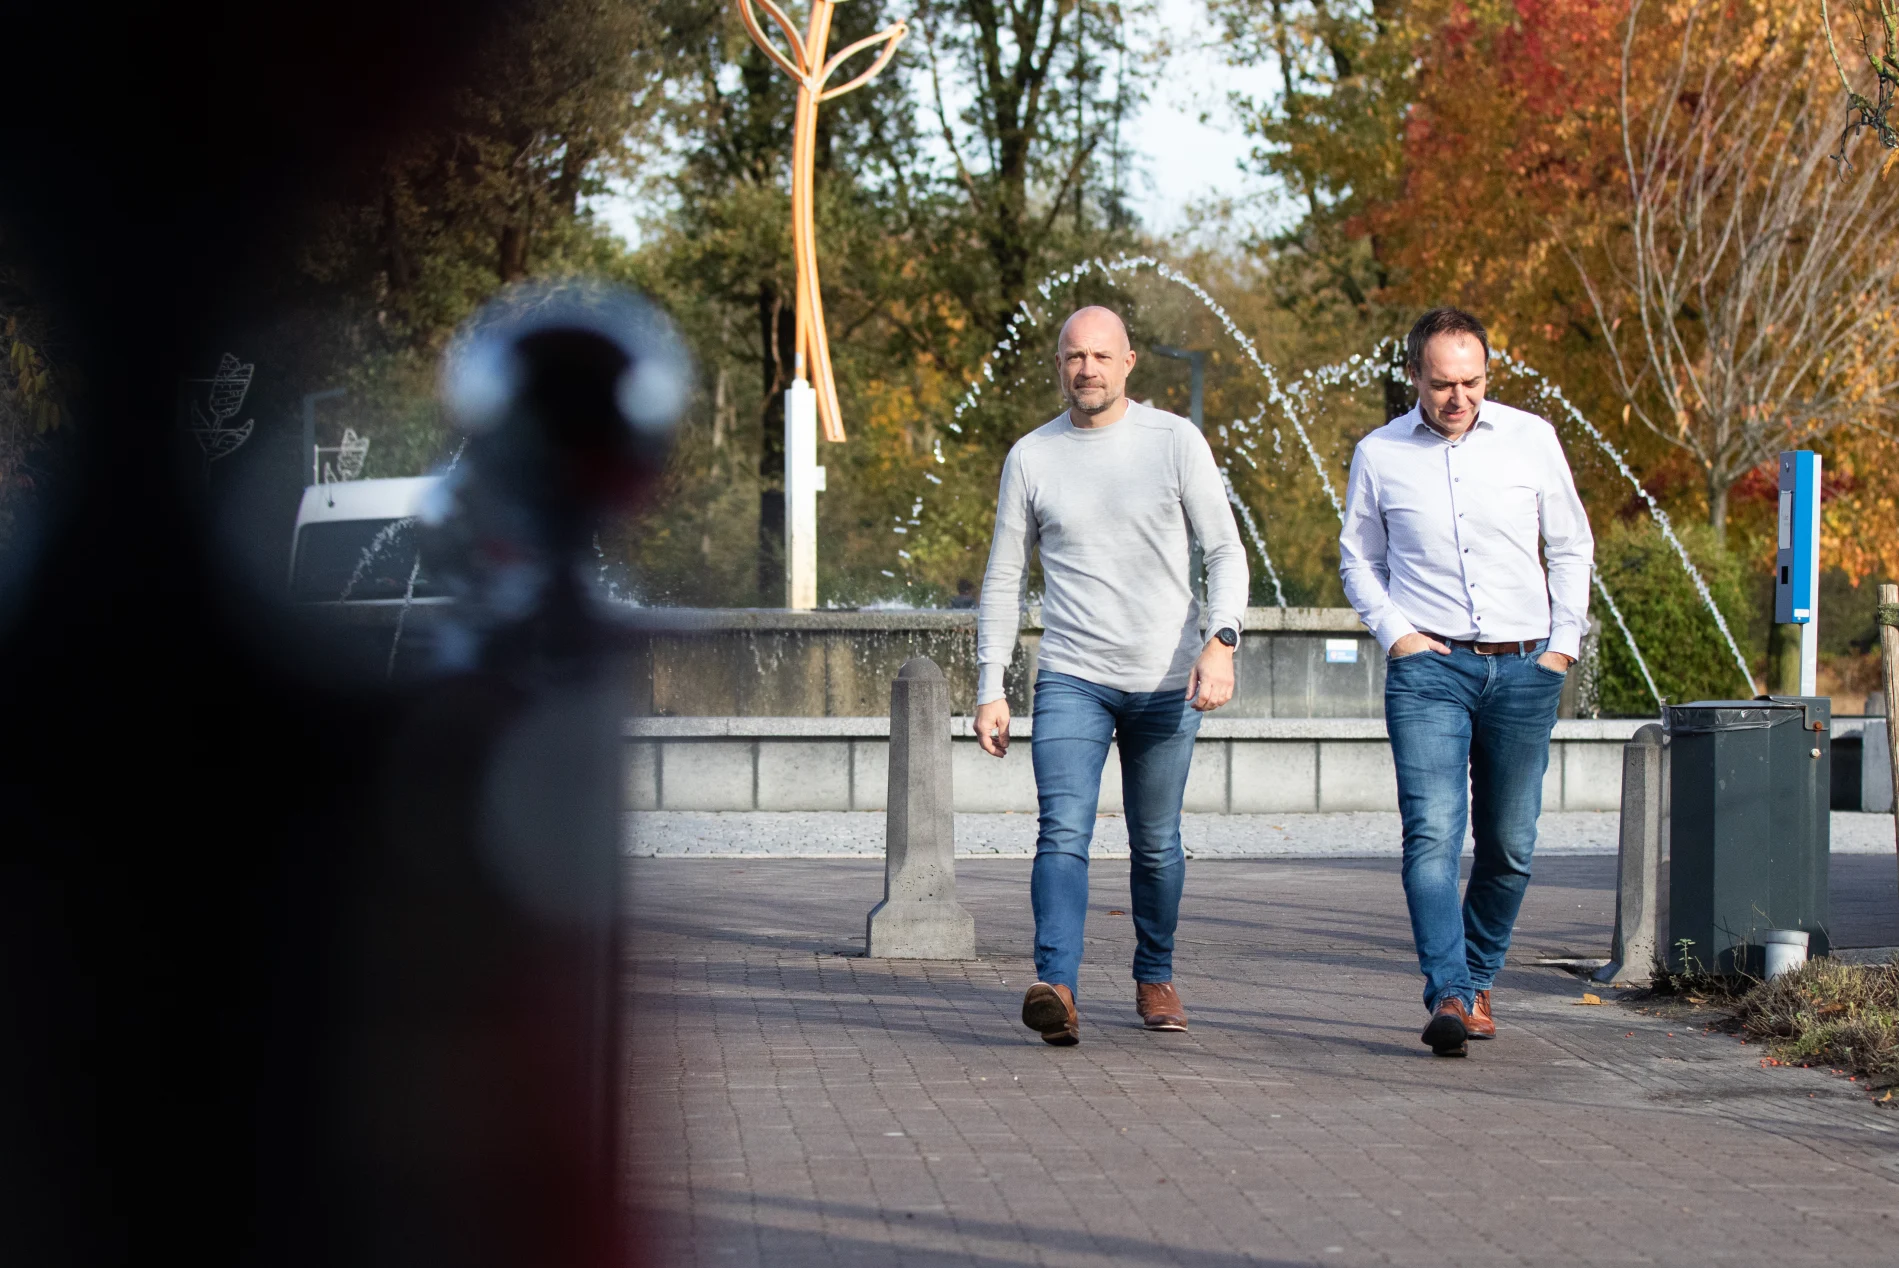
pixel 1749 791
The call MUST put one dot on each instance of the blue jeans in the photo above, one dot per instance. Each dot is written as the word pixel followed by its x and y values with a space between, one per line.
pixel 1471 738
pixel 1074 722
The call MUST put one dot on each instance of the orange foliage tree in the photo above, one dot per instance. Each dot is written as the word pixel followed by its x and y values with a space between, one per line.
pixel 1641 198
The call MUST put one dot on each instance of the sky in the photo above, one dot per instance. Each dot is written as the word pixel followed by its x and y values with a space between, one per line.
pixel 1189 160
pixel 1184 159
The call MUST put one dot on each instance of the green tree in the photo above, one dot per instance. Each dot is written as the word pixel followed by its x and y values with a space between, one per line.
pixel 491 188
pixel 1048 83
pixel 1330 132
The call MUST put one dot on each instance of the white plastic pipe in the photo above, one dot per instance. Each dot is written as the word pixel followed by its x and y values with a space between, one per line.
pixel 1786 949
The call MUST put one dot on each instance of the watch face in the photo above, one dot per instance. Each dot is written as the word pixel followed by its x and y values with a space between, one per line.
pixel 1228 637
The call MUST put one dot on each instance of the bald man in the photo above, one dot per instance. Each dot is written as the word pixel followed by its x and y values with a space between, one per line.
pixel 1112 493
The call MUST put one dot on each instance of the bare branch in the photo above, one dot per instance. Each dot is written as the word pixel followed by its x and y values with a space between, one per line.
pixel 1756 284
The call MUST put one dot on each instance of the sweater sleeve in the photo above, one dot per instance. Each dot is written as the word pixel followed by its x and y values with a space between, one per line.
pixel 1203 494
pixel 999 615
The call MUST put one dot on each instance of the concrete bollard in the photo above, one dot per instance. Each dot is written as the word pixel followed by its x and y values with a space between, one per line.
pixel 919 918
pixel 1638 907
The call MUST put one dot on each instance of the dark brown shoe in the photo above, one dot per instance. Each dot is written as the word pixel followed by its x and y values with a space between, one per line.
pixel 1159 1006
pixel 1481 1024
pixel 1050 1012
pixel 1449 1028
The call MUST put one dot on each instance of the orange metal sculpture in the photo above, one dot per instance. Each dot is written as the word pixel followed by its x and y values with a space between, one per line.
pixel 811 71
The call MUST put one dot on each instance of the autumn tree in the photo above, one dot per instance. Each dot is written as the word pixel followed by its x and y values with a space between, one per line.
pixel 1874 36
pixel 1743 287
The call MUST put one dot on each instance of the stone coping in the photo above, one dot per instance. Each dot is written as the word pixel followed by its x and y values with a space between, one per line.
pixel 662 620
pixel 698 620
pixel 1214 728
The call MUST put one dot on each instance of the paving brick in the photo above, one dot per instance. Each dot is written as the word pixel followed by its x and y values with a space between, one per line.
pixel 1300 1122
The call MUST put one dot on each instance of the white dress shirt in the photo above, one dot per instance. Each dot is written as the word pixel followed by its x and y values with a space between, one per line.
pixel 1441 536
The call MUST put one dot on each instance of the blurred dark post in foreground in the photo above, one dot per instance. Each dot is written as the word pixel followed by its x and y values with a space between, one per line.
pixel 295 969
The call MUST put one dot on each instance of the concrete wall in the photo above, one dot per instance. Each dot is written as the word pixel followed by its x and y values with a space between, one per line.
pixel 769 663
pixel 1241 766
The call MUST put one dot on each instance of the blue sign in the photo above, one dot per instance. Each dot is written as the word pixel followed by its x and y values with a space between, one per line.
pixel 1797 544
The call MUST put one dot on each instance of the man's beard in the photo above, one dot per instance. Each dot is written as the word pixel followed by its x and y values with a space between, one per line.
pixel 1074 403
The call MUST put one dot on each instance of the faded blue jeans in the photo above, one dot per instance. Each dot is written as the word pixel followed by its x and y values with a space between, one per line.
pixel 1074 722
pixel 1471 738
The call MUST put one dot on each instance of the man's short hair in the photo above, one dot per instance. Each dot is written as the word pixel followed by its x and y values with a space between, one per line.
pixel 1441 321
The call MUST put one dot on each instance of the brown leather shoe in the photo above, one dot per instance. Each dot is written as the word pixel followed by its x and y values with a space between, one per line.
pixel 1159 1006
pixel 1449 1028
pixel 1481 1024
pixel 1050 1012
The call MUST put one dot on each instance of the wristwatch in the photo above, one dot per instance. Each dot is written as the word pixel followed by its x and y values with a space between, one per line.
pixel 1229 636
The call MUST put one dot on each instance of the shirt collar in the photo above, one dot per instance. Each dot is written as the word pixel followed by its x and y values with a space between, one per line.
pixel 1485 418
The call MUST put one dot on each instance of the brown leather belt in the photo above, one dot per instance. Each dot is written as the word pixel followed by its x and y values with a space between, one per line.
pixel 1487 649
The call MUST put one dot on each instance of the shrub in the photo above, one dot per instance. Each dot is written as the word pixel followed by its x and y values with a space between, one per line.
pixel 1671 625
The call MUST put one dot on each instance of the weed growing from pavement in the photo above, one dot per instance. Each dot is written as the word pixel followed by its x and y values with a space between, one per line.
pixel 1842 1017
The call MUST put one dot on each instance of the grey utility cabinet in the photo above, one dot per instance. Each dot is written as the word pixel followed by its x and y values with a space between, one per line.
pixel 1749 788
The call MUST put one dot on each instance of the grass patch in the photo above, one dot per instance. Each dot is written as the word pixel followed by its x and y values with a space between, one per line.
pixel 1845 1016
pixel 1825 1013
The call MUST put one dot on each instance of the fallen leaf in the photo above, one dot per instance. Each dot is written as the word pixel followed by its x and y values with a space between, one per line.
pixel 1587 999
pixel 1117 913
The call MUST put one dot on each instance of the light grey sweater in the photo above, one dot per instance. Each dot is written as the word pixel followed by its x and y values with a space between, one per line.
pixel 1113 510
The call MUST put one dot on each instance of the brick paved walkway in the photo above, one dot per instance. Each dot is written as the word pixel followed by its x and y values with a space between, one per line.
pixel 798 1105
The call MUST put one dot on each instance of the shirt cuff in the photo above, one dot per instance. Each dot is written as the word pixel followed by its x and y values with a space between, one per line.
pixel 989 681
pixel 1566 639
pixel 1391 630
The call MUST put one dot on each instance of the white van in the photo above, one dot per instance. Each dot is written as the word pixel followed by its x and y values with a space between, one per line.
pixel 355 541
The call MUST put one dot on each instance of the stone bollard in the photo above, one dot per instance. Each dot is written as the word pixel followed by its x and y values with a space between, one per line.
pixel 1638 907
pixel 919 918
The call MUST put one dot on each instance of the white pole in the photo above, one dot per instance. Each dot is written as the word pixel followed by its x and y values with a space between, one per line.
pixel 1810 632
pixel 1809 659
pixel 804 479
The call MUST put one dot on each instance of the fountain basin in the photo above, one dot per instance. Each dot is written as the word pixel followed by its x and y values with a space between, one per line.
pixel 1292 662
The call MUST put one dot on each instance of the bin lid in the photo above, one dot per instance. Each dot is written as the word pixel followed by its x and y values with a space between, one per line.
pixel 1701 717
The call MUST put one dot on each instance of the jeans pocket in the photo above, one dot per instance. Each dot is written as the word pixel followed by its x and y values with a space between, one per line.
pixel 1560 675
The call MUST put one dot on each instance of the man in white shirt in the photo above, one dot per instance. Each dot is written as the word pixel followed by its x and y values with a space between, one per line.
pixel 1439 557
pixel 1112 494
